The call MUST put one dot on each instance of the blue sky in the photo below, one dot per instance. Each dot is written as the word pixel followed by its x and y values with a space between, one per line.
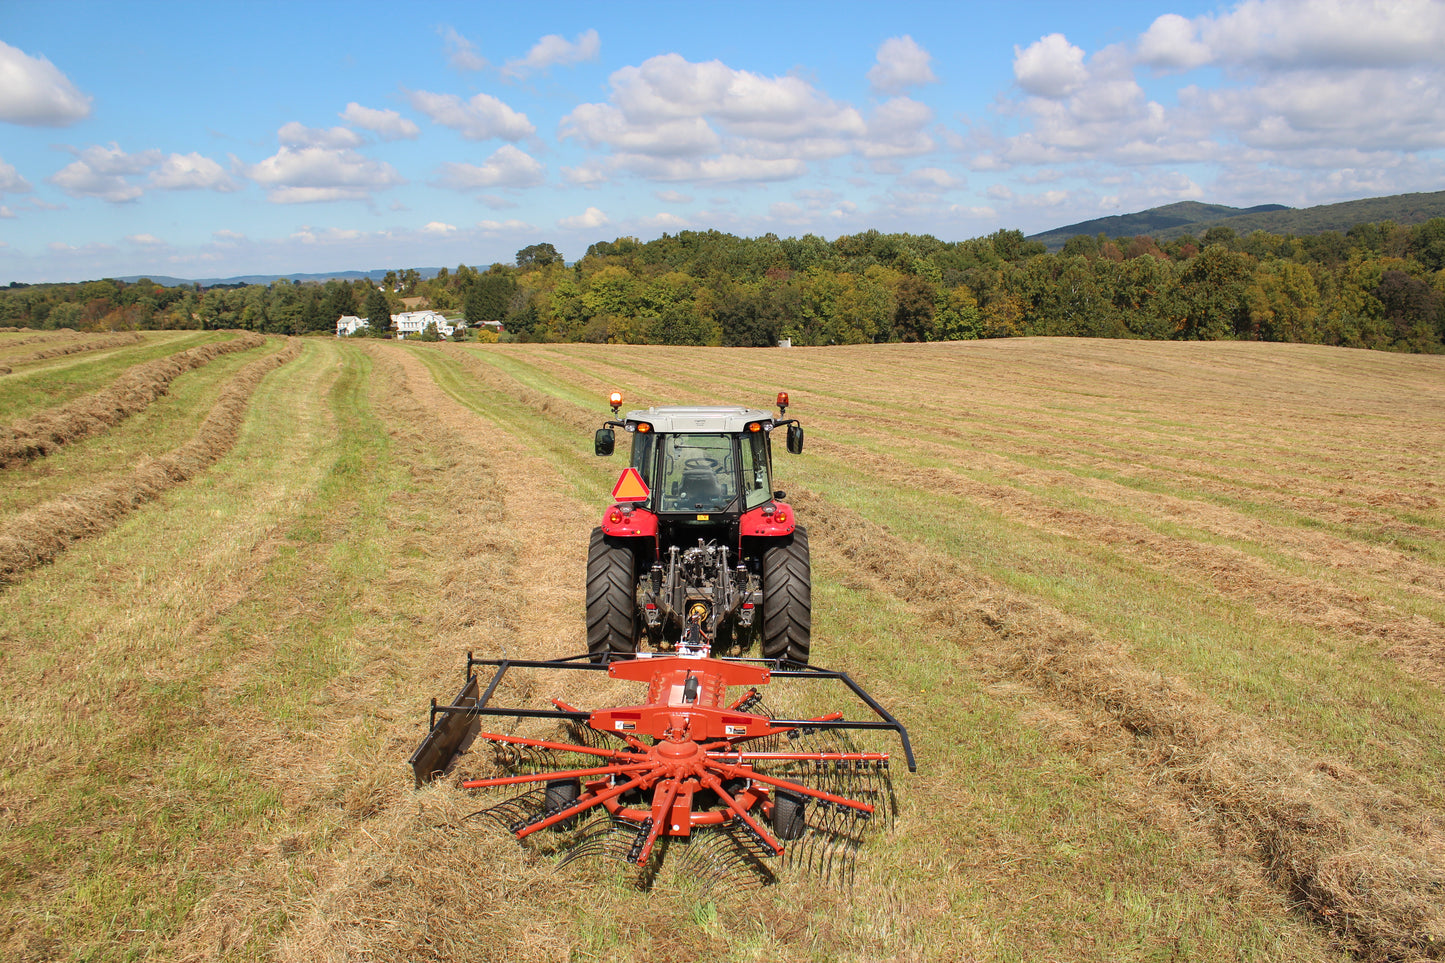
pixel 205 140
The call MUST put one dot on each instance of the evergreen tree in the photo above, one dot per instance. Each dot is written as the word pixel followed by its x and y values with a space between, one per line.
pixel 378 314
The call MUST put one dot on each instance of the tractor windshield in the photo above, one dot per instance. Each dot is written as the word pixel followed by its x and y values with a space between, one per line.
pixel 695 473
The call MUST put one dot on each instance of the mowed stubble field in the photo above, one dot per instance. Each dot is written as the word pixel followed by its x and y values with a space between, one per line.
pixel 1166 622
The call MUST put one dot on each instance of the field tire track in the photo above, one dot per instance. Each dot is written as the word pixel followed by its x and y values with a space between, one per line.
pixel 1367 863
pixel 132 392
pixel 37 536
pixel 524 601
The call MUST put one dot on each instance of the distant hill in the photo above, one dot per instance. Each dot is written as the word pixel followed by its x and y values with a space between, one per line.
pixel 170 282
pixel 1193 218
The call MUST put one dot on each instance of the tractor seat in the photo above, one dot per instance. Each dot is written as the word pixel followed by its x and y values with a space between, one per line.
pixel 700 486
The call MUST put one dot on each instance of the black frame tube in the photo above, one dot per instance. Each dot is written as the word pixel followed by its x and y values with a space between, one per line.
pixel 885 718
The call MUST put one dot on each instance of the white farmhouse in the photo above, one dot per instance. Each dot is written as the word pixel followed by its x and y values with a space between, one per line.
pixel 347 325
pixel 412 323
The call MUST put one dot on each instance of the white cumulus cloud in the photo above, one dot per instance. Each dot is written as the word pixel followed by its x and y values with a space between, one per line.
pixel 1050 67
pixel 481 118
pixel 105 173
pixel 670 119
pixel 902 63
pixel 34 93
pixel 386 124
pixel 179 172
pixel 589 219
pixel 1172 43
pixel 10 180
pixel 295 175
pixel 296 134
pixel 461 52
pixel 508 167
pixel 554 49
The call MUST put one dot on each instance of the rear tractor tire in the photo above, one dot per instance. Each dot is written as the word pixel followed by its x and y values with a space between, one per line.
pixel 788 600
pixel 612 622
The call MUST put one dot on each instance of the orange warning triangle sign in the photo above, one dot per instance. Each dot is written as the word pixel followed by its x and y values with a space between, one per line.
pixel 630 487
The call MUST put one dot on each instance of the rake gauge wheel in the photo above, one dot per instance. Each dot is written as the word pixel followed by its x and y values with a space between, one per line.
pixel 561 793
pixel 611 598
pixel 788 600
pixel 789 817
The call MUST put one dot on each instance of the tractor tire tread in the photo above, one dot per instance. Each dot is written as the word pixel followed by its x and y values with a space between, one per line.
pixel 788 600
pixel 611 598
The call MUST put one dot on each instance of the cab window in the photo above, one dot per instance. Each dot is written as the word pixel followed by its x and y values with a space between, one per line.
pixel 757 488
pixel 643 446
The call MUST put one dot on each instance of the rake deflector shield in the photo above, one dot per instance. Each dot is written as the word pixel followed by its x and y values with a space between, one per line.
pixel 730 783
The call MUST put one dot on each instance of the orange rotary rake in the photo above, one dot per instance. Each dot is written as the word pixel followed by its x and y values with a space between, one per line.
pixel 725 779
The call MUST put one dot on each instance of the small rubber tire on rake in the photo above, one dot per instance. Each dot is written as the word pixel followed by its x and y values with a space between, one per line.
pixel 560 794
pixel 790 819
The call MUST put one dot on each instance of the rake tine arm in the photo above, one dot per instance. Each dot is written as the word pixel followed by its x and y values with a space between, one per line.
pixel 550 776
pixel 744 698
pixel 661 816
pixel 796 787
pixel 785 756
pixel 560 746
pixel 586 802
pixel 712 782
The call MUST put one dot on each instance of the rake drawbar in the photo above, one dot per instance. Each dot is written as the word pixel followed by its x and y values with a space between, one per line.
pixel 685 766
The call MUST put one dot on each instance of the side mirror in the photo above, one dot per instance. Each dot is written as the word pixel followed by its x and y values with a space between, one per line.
pixel 606 440
pixel 795 439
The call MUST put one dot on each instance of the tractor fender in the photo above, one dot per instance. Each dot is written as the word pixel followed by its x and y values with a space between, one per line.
pixel 629 523
pixel 780 522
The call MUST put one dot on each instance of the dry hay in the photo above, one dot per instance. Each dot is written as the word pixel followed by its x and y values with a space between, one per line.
pixel 1414 641
pixel 411 878
pixel 95 344
pixel 132 392
pixel 37 536
pixel 1365 861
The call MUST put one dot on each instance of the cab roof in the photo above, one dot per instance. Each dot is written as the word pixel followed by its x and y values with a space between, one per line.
pixel 699 420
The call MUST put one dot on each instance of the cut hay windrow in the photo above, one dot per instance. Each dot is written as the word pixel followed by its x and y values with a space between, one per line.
pixel 1366 862
pixel 77 347
pixel 132 392
pixel 1413 640
pixel 37 536
pixel 58 336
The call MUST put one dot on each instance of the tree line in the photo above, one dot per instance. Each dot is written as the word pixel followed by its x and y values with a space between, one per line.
pixel 1378 285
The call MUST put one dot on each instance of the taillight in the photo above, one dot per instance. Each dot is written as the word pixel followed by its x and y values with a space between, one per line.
pixel 615 516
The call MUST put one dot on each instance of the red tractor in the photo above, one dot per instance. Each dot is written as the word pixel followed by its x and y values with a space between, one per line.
pixel 698 543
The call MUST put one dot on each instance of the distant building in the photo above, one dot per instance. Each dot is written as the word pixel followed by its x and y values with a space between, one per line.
pixel 413 323
pixel 348 324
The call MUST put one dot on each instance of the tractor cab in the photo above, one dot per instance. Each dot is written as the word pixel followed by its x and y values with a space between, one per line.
pixel 711 461
pixel 695 530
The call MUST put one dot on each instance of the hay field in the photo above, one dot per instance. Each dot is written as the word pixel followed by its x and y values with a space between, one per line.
pixel 1166 623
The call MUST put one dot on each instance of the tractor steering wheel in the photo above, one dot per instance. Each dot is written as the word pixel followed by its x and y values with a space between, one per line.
pixel 698 464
